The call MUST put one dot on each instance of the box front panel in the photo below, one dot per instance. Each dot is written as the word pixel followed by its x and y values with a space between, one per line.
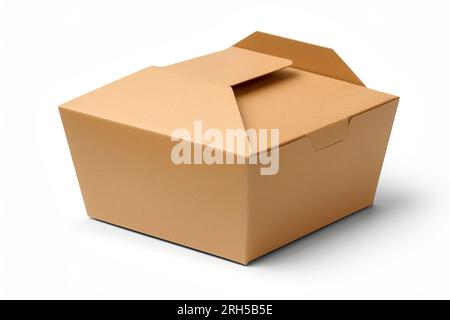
pixel 315 188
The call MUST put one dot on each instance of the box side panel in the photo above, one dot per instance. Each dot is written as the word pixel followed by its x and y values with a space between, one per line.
pixel 315 188
pixel 128 179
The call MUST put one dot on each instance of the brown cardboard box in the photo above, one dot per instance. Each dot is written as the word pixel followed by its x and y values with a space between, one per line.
pixel 333 134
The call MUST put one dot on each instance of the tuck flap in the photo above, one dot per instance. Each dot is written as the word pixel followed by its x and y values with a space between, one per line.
pixel 229 67
pixel 304 56
pixel 329 135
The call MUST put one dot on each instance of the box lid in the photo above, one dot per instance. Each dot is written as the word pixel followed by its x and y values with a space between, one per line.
pixel 278 83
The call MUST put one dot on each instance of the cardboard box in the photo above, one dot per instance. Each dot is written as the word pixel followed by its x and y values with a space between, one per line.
pixel 333 134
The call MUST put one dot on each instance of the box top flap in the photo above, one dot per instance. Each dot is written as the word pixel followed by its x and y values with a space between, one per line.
pixel 159 101
pixel 304 56
pixel 229 67
pixel 299 103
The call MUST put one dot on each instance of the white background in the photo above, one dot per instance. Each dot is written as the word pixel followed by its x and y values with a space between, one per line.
pixel 53 51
